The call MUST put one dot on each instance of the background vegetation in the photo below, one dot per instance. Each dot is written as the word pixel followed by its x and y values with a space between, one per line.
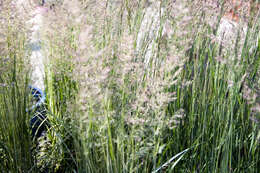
pixel 193 108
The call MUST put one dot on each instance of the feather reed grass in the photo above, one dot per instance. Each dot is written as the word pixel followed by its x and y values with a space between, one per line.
pixel 193 108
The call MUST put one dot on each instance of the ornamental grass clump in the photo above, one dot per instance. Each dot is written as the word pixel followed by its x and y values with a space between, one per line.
pixel 124 102
pixel 132 116
pixel 121 97
pixel 15 135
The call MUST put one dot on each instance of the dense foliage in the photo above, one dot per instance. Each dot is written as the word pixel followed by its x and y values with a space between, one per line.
pixel 194 107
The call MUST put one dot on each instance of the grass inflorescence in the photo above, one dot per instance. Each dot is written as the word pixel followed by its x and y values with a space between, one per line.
pixel 129 94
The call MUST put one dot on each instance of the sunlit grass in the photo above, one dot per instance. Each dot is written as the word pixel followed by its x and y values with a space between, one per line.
pixel 193 108
pixel 16 142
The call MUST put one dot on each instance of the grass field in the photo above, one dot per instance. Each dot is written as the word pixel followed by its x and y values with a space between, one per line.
pixel 194 107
